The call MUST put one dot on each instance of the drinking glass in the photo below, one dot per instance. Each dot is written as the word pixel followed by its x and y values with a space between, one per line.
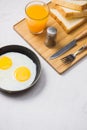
pixel 37 13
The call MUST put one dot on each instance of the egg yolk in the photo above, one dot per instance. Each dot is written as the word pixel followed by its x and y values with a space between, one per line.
pixel 22 74
pixel 5 62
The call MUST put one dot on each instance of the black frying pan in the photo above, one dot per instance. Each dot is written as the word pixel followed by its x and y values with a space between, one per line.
pixel 27 52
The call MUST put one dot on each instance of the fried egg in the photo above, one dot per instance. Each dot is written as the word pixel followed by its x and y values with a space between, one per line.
pixel 17 71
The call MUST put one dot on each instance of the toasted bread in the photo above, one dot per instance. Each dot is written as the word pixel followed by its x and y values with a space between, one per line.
pixel 72 4
pixel 67 24
pixel 70 13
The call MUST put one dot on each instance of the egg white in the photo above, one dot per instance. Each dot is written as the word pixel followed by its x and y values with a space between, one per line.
pixel 7 77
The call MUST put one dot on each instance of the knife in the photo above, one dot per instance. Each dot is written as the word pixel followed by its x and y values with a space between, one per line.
pixel 69 45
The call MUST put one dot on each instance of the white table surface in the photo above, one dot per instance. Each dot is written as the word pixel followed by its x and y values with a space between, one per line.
pixel 56 102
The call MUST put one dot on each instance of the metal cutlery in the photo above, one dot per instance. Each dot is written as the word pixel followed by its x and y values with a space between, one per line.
pixel 71 57
pixel 69 45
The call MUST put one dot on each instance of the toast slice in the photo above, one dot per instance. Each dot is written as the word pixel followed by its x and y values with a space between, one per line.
pixel 72 4
pixel 67 24
pixel 70 13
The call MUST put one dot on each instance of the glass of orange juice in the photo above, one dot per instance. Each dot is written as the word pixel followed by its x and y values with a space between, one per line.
pixel 37 13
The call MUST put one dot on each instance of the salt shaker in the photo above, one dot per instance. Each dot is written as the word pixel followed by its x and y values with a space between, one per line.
pixel 50 37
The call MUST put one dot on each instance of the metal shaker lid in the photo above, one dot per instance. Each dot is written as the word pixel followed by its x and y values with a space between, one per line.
pixel 51 31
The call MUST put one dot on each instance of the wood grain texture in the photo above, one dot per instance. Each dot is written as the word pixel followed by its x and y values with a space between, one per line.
pixel 37 42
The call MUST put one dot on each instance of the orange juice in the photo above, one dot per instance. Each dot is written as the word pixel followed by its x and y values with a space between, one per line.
pixel 37 16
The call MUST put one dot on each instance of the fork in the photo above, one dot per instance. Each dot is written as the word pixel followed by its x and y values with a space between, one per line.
pixel 71 57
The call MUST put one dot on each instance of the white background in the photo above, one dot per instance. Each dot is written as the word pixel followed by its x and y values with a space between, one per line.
pixel 56 102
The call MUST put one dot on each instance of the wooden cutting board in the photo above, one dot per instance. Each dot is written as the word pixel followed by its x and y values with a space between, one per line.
pixel 37 42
